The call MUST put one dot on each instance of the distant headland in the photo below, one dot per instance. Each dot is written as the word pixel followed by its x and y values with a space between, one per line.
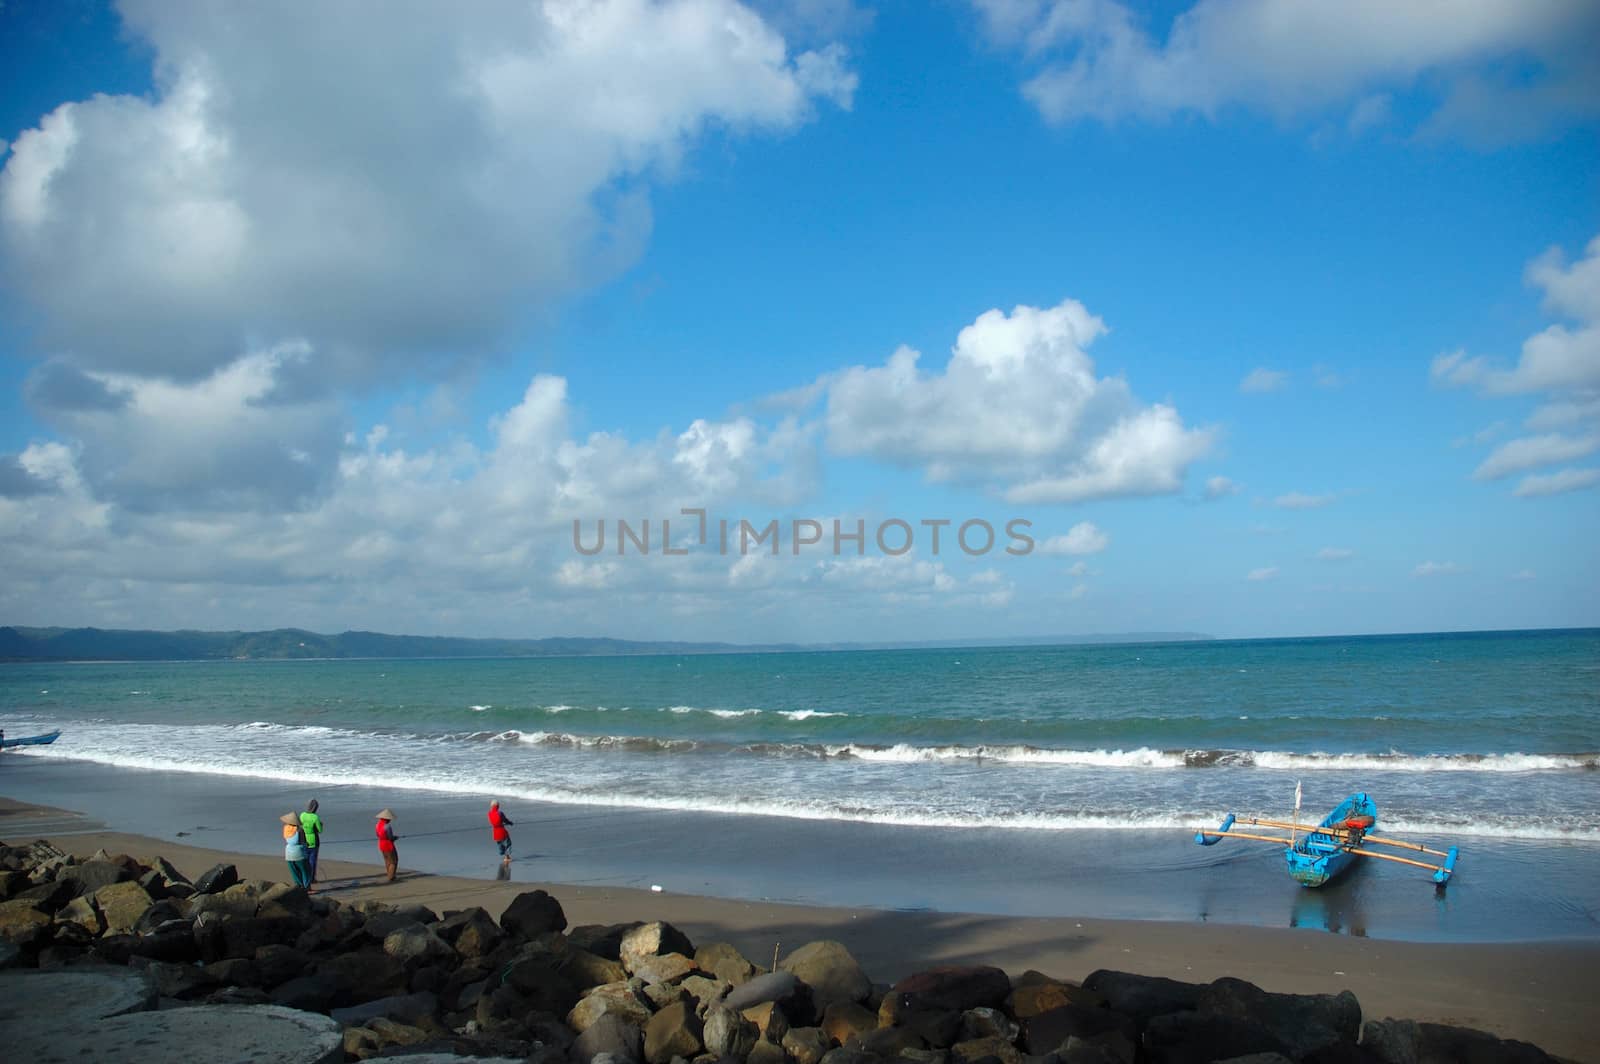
pixel 20 643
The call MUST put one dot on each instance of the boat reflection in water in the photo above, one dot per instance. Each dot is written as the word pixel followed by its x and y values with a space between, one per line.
pixel 1336 909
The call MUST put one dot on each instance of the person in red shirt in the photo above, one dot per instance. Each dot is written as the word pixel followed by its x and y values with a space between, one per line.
pixel 502 838
pixel 386 836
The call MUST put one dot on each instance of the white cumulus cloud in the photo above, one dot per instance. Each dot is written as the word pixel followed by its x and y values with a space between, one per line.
pixel 1017 407
pixel 1261 380
pixel 1082 538
pixel 1432 568
pixel 1299 500
pixel 1496 69
pixel 1266 572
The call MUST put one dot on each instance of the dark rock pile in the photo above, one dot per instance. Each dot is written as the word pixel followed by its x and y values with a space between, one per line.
pixel 403 980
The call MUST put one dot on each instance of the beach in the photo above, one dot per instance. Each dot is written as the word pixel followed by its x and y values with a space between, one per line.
pixel 1535 991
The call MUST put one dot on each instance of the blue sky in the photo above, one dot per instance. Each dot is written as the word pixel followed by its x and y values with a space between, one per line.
pixel 1269 318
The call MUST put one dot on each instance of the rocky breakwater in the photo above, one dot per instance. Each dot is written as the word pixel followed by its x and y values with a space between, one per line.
pixel 305 978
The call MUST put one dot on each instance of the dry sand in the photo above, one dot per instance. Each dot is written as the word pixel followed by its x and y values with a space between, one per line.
pixel 1542 992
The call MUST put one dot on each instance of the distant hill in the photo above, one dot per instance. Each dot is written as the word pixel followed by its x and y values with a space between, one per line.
pixel 18 643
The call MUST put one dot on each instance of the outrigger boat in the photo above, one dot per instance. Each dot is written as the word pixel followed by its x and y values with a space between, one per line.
pixel 1316 854
pixel 31 740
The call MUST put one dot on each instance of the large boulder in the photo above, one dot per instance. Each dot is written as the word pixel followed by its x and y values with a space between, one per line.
pixel 806 1045
pixel 845 1020
pixel 603 940
pixel 82 911
pixel 533 913
pixel 1202 1037
pixel 612 1035
pixel 49 896
pixel 1039 995
pixel 985 1049
pixel 665 968
pixel 771 1023
pixel 217 878
pixel 1143 996
pixel 613 999
pixel 413 1009
pixel 1408 1042
pixel 417 945
pixel 1304 1023
pixel 363 975
pixel 949 988
pixel 652 940
pixel 675 1031
pixel 472 933
pixel 587 969
pixel 91 876
pixel 831 972
pixel 122 904
pixel 783 988
pixel 242 936
pixel 1048 1031
pixel 23 924
pixel 728 1035
pixel 725 962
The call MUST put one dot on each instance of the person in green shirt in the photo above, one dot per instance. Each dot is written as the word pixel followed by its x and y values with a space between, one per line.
pixel 311 825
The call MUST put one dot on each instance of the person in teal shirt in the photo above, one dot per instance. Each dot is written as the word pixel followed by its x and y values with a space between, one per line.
pixel 311 825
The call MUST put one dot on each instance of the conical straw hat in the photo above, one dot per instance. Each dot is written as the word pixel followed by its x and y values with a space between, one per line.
pixel 385 815
pixel 289 818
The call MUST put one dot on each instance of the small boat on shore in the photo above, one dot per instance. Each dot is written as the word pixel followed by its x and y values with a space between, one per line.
pixel 31 740
pixel 1317 853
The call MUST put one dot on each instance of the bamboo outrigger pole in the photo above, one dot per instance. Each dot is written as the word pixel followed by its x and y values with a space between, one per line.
pixel 1345 833
pixel 1347 849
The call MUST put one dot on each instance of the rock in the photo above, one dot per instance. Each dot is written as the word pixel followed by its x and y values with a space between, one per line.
pixel 844 1020
pixel 652 940
pixel 666 968
pixel 226 1034
pixel 531 913
pixel 472 933
pixel 82 911
pixel 242 936
pixel 1408 1042
pixel 172 942
pixel 988 1023
pixel 1109 1048
pixel 985 1048
pixel 832 973
pixel 539 979
pixel 661 995
pixel 154 884
pixel 603 940
pixel 1201 1037
pixel 411 1009
pixel 806 1045
pixel 844 1055
pixel 1042 995
pixel 216 879
pixel 364 975
pixel 948 988
pixel 609 1036
pixel 784 988
pixel 278 964
pixel 168 871
pixel 1048 1031
pixel 91 876
pixel 1303 1023
pixel 22 924
pixel 1143 996
pixel 612 999
pixel 316 992
pixel 417 945
pixel 587 969
pixel 767 1053
pixel 931 1056
pixel 36 1007
pixel 50 896
pixel 887 1042
pixel 771 1023
pixel 181 982
pixel 725 962
pixel 292 898
pixel 938 1029
pixel 728 1035
pixel 122 904
pixel 1258 1058
pixel 164 911
pixel 675 1031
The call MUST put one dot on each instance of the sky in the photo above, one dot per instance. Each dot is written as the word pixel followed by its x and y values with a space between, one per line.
pixel 963 318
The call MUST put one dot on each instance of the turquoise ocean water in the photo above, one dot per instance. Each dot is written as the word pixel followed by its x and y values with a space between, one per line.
pixel 1492 735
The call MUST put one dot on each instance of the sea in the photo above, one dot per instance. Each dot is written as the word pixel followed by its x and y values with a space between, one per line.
pixel 1040 779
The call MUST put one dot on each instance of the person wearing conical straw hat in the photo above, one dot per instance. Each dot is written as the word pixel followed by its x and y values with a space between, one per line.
pixel 294 850
pixel 384 829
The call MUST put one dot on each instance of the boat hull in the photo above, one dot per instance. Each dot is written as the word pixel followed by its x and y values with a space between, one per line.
pixel 31 740
pixel 1319 856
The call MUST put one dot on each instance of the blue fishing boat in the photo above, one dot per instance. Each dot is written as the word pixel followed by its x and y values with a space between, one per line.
pixel 1320 852
pixel 31 740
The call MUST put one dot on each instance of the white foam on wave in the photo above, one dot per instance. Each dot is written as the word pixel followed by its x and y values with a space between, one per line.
pixel 807 714
pixel 1396 761
pixel 1140 757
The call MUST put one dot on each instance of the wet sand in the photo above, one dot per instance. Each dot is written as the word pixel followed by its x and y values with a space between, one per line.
pixel 1541 992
